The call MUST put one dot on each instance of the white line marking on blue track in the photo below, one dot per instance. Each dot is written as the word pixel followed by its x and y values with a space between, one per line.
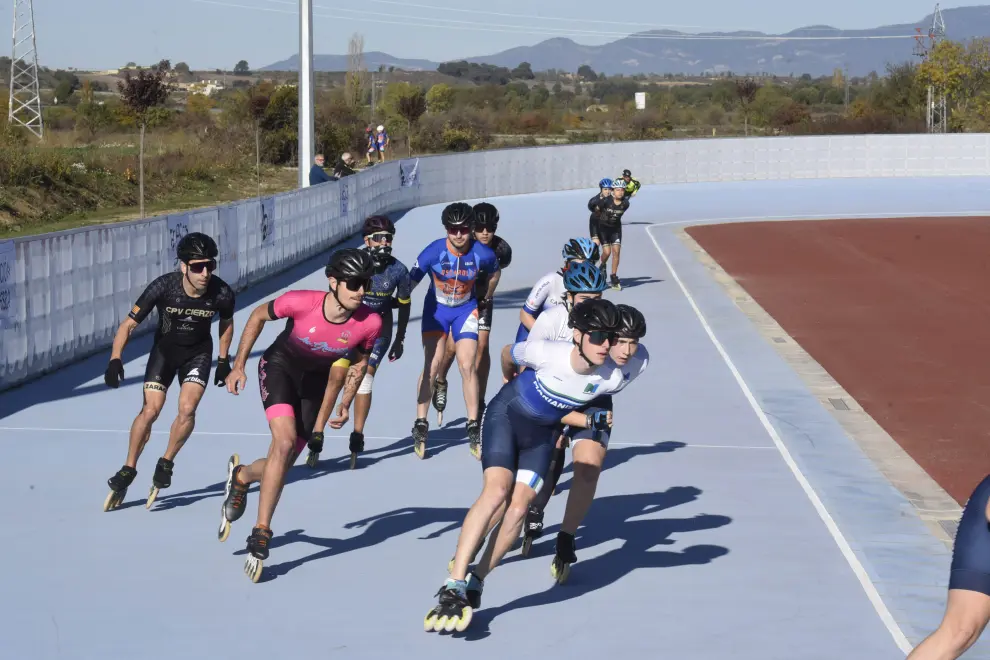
pixel 345 437
pixel 833 528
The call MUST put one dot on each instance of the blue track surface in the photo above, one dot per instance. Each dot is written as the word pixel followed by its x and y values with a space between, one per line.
pixel 704 540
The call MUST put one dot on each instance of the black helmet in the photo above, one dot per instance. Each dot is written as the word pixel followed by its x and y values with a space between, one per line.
pixel 486 215
pixel 196 246
pixel 350 263
pixel 632 323
pixel 458 214
pixel 594 314
pixel 376 224
pixel 626 173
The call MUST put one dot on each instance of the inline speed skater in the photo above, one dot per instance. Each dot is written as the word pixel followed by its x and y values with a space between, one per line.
pixel 604 192
pixel 549 291
pixel 485 225
pixel 519 434
pixel 450 307
pixel 294 379
pixel 610 228
pixel 389 288
pixel 632 186
pixel 967 610
pixel 187 301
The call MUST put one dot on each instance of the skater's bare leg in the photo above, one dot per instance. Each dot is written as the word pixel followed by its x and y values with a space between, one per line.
pixel 190 395
pixel 432 344
pixel 616 251
pixel 154 399
pixel 508 532
pixel 466 351
pixel 966 615
pixel 587 457
pixel 483 364
pixel 497 485
pixel 446 360
pixel 362 406
pixel 276 465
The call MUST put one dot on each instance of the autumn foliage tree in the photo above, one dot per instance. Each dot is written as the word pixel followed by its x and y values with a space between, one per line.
pixel 141 94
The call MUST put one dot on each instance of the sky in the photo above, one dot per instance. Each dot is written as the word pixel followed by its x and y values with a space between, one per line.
pixel 211 34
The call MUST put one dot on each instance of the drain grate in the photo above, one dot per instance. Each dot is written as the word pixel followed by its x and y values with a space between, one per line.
pixel 780 340
pixel 838 404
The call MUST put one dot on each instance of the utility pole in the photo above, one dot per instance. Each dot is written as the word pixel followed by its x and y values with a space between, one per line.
pixel 936 115
pixel 845 80
pixel 306 108
pixel 25 93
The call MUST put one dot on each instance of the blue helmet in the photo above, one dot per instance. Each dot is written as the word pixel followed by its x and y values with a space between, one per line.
pixel 605 183
pixel 585 277
pixel 581 248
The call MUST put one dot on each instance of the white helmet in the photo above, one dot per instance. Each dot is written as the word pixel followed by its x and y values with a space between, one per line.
pixel 381 128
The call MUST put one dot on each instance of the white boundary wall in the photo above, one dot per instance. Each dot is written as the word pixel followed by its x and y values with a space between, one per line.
pixel 62 295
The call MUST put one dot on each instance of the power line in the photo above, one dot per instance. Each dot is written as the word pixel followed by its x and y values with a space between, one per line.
pixel 518 29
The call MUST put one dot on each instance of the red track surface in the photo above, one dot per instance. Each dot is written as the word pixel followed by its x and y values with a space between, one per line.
pixel 897 311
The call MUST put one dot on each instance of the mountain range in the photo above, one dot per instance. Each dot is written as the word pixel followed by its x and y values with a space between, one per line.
pixel 668 51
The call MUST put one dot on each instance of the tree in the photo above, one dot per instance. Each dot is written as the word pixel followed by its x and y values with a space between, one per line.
pixel 411 106
pixel 440 98
pixel 182 69
pixel 585 72
pixel 142 94
pixel 523 72
pixel 242 69
pixel 746 91
pixel 354 80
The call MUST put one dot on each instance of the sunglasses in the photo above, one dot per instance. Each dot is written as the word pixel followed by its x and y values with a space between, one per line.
pixel 200 266
pixel 356 283
pixel 599 337
pixel 458 231
pixel 382 237
pixel 485 228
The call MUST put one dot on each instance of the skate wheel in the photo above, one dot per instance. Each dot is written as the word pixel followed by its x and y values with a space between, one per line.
pixel 252 567
pixel 430 622
pixel 459 623
pixel 527 546
pixel 439 418
pixel 312 459
pixel 113 500
pixel 560 571
pixel 353 459
pixel 476 451
pixel 224 530
pixel 420 449
pixel 152 494
pixel 450 566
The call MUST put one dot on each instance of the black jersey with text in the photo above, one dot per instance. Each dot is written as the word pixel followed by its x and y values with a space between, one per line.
pixel 594 205
pixel 504 255
pixel 610 213
pixel 182 319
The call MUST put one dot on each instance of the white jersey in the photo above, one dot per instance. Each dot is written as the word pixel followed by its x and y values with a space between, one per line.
pixel 550 388
pixel 551 325
pixel 633 369
pixel 548 292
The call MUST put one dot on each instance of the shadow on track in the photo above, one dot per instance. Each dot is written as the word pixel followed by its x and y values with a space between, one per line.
pixel 66 382
pixel 603 525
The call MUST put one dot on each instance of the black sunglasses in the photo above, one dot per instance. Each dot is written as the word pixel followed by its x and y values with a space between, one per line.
pixel 356 283
pixel 599 337
pixel 199 266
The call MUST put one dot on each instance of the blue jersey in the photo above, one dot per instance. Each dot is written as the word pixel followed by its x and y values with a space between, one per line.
pixel 392 279
pixel 453 275
pixel 550 388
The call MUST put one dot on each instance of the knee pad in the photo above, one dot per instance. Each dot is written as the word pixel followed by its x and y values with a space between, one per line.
pixel 365 386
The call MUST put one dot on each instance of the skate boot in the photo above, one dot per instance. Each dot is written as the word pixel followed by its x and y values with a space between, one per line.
pixel 162 479
pixel 560 568
pixel 315 445
pixel 420 430
pixel 474 437
pixel 615 282
pixel 481 411
pixel 475 585
pixel 257 547
pixel 453 612
pixel 532 529
pixel 118 487
pixel 356 447
pixel 234 498
pixel 439 399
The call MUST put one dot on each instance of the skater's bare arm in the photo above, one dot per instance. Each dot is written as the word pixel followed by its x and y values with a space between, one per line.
pixel 526 319
pixel 237 379
pixel 493 284
pixel 334 384
pixel 226 336
pixel 508 364
pixel 354 377
pixel 123 335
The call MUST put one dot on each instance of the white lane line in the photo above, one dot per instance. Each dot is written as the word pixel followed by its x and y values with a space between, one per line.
pixel 345 437
pixel 833 528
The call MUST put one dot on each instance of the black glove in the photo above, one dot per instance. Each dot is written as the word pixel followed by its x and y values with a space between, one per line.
pixel 598 421
pixel 396 351
pixel 223 370
pixel 114 373
pixel 316 442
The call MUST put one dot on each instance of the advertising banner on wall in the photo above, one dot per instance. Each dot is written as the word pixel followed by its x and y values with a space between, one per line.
pixel 268 221
pixel 408 170
pixel 344 198
pixel 227 221
pixel 8 302
pixel 178 226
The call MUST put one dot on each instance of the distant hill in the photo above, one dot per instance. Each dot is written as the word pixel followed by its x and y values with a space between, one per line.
pixel 658 53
